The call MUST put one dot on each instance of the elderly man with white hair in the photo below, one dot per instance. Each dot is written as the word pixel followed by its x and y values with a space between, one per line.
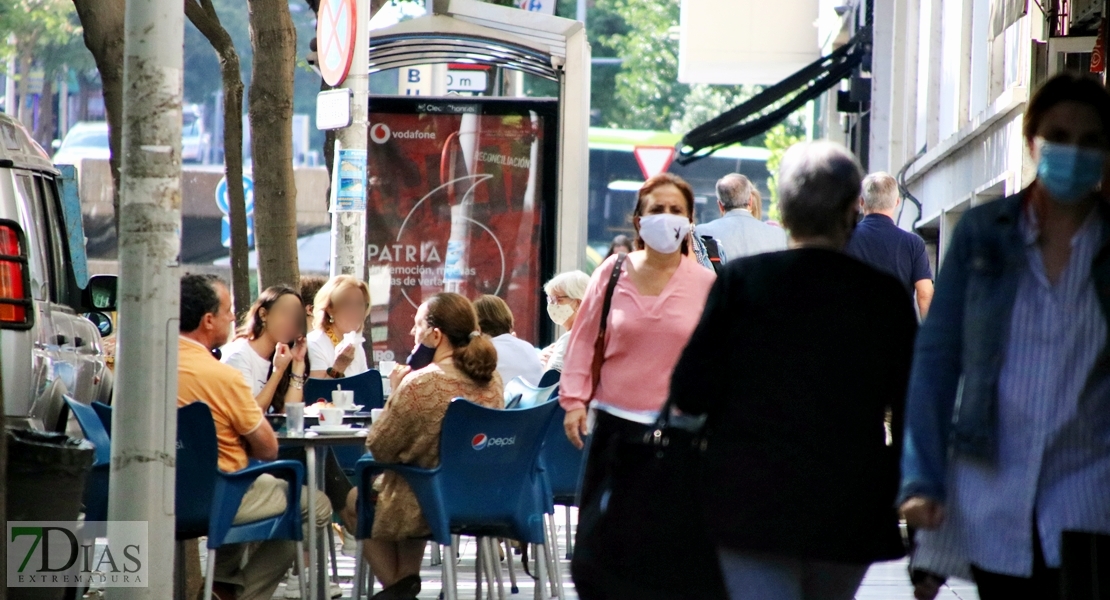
pixel 879 242
pixel 800 475
pixel 738 231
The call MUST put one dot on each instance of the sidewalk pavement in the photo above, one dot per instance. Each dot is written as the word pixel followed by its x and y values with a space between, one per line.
pixel 885 581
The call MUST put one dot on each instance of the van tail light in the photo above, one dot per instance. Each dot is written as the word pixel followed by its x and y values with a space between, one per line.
pixel 15 289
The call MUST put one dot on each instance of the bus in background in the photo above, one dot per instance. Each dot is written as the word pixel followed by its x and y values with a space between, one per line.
pixel 615 177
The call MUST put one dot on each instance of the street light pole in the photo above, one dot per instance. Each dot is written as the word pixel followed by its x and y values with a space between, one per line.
pixel 348 229
pixel 144 422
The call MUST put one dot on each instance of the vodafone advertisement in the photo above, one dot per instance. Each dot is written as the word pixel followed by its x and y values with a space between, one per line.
pixel 462 199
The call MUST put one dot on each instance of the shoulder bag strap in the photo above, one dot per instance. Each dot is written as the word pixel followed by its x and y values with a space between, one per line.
pixel 599 343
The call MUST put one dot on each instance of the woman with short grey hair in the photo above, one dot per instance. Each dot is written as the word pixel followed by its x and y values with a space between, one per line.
pixel 800 472
pixel 564 296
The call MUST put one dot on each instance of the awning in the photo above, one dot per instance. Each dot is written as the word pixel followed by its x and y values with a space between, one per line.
pixel 747 120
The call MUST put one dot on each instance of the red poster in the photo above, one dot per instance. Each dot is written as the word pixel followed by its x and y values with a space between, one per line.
pixel 462 199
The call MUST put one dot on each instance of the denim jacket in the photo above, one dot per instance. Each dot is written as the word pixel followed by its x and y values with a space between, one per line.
pixel 951 407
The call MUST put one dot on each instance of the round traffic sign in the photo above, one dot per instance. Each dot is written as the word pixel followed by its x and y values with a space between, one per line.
pixel 248 195
pixel 335 39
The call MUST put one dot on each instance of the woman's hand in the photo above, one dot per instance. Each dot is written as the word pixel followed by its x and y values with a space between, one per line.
pixel 344 355
pixel 546 354
pixel 397 375
pixel 282 358
pixel 298 352
pixel 923 513
pixel 575 426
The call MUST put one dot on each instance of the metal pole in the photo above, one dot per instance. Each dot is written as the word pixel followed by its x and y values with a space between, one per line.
pixel 580 12
pixel 144 422
pixel 348 229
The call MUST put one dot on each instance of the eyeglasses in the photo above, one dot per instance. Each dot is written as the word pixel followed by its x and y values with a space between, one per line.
pixel 556 299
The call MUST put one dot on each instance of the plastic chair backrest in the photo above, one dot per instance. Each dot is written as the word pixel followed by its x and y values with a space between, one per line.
pixel 104 411
pixel 520 394
pixel 562 462
pixel 93 429
pixel 366 386
pixel 196 469
pixel 489 464
pixel 550 378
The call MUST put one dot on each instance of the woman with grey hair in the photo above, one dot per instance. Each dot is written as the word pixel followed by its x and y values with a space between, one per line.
pixel 801 466
pixel 564 296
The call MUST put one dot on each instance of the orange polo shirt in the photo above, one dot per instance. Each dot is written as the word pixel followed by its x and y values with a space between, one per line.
pixel 201 377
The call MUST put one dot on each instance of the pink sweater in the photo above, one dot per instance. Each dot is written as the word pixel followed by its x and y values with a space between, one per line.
pixel 645 338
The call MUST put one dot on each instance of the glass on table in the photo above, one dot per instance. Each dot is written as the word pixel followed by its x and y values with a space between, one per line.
pixel 294 418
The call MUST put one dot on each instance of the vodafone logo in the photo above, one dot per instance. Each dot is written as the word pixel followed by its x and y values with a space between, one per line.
pixel 480 441
pixel 380 133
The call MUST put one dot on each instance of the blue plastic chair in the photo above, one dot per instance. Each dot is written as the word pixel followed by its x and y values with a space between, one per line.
pixel 104 411
pixel 550 378
pixel 366 386
pixel 96 485
pixel 209 503
pixel 207 499
pixel 562 467
pixel 489 482
pixel 521 394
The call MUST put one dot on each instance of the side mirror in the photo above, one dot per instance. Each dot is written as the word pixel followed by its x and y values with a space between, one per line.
pixel 102 321
pixel 100 293
pixel 56 144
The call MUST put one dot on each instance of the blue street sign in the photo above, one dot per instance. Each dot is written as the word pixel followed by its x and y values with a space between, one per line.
pixel 225 232
pixel 248 195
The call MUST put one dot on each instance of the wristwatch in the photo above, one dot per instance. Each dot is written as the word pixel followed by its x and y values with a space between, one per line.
pixel 334 374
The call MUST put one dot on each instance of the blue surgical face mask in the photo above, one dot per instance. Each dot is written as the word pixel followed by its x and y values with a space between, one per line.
pixel 1069 173
pixel 421 357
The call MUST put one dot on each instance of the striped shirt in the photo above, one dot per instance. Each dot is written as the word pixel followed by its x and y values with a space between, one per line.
pixel 1053 420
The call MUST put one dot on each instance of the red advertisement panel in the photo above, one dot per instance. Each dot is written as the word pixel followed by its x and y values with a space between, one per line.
pixel 462 199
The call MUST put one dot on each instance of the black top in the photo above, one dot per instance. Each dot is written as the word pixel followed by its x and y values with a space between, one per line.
pixel 880 243
pixel 796 360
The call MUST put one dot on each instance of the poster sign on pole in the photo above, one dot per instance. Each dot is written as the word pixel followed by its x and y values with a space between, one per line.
pixel 350 193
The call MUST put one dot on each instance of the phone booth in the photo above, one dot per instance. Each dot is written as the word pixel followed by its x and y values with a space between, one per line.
pixel 476 194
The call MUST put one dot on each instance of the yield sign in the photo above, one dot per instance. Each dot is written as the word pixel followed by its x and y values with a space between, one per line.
pixel 335 39
pixel 653 159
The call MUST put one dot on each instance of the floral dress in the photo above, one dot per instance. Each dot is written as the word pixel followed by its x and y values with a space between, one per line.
pixel 408 433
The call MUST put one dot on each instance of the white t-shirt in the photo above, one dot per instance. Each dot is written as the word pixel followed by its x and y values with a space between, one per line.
pixel 321 354
pixel 255 369
pixel 517 358
pixel 555 363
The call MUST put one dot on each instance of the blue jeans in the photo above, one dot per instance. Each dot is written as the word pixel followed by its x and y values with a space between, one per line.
pixel 760 576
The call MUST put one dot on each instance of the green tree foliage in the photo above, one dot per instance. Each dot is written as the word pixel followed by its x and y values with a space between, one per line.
pixel 778 140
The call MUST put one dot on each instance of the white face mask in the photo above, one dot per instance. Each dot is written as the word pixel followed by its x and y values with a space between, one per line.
pixel 559 313
pixel 664 233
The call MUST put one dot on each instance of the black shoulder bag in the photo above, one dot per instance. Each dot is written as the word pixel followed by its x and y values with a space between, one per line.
pixel 641 535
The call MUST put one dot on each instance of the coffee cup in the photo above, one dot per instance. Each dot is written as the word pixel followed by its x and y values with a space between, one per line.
pixel 331 417
pixel 376 413
pixel 343 398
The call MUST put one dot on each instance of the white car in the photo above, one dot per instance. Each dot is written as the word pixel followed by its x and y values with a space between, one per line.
pixel 87 139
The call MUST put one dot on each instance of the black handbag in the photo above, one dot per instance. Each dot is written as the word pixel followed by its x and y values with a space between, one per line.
pixel 1085 566
pixel 641 534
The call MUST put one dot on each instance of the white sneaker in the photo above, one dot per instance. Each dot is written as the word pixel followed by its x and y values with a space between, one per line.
pixel 293 588
pixel 350 545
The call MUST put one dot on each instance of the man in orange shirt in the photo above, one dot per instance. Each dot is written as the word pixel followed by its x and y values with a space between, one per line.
pixel 242 432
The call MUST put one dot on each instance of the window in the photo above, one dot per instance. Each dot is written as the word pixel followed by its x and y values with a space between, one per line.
pixel 34 224
pixel 58 247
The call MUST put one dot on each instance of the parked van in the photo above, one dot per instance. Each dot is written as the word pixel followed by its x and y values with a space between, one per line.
pixel 49 344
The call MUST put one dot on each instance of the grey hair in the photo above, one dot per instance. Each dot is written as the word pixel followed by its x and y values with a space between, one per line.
pixel 734 191
pixel 880 191
pixel 572 283
pixel 818 183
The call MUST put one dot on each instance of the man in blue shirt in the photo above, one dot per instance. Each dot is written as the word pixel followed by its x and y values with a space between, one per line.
pixel 879 242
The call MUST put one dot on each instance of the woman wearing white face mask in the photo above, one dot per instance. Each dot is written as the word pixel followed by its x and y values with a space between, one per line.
pixel 657 301
pixel 564 297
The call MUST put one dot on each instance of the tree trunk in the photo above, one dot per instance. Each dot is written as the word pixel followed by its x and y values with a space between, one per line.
pixel 26 113
pixel 102 23
pixel 204 17
pixel 270 98
pixel 44 132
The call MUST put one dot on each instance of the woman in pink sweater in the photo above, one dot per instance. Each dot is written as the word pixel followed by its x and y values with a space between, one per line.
pixel 655 307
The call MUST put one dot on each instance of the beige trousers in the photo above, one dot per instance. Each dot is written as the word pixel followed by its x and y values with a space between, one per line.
pixel 268 562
